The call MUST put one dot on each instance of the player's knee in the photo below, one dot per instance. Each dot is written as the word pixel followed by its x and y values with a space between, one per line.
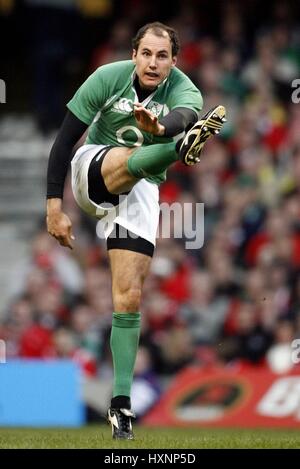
pixel 127 299
pixel 112 184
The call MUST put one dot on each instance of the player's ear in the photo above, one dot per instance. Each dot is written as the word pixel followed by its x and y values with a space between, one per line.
pixel 134 56
pixel 174 61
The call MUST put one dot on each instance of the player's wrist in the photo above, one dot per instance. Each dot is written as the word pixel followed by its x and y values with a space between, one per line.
pixel 54 205
pixel 161 130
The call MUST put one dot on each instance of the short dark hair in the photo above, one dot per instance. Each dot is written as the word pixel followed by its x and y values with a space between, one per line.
pixel 157 29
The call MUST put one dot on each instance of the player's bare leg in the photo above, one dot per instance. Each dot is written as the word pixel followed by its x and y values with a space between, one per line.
pixel 129 270
pixel 114 170
pixel 123 167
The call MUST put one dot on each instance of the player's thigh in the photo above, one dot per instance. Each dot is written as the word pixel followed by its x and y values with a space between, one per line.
pixel 114 170
pixel 129 270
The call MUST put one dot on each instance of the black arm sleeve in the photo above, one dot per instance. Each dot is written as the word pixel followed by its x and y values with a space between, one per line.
pixel 177 120
pixel 70 132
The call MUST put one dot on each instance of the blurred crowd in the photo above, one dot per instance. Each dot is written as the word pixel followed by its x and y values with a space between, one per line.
pixel 235 300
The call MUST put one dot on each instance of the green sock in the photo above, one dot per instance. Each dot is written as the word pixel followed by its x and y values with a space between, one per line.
pixel 152 160
pixel 124 341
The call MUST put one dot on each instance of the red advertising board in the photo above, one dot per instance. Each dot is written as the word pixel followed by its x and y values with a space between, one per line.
pixel 222 397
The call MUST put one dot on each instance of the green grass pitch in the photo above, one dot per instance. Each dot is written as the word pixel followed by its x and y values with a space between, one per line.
pixel 99 436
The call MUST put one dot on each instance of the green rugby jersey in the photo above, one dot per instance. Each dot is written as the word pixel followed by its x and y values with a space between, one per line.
pixel 105 103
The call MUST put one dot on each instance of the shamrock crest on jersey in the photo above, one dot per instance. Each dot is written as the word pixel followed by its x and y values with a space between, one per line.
pixel 155 108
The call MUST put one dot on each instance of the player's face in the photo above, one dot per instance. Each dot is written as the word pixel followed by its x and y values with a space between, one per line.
pixel 153 60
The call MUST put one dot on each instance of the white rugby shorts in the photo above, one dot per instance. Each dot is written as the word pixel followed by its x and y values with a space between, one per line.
pixel 137 212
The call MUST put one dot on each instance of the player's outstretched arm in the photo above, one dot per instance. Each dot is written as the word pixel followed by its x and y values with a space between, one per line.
pixel 58 223
pixel 170 125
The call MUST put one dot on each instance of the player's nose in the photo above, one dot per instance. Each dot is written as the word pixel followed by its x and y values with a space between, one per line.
pixel 153 62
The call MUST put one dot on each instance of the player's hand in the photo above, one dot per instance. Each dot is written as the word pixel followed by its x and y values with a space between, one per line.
pixel 59 226
pixel 147 121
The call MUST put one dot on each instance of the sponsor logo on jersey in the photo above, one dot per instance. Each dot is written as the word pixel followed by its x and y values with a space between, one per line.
pixel 123 106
